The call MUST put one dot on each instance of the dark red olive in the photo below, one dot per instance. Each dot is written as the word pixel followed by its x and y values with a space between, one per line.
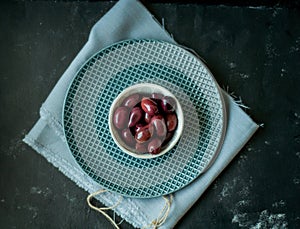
pixel 140 148
pixel 168 104
pixel 149 106
pixel 160 127
pixel 127 137
pixel 154 146
pixel 120 118
pixel 135 116
pixel 148 117
pixel 144 134
pixel 131 100
pixel 171 121
pixel 138 127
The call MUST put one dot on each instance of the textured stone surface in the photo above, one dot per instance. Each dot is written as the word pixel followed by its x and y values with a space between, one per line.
pixel 252 51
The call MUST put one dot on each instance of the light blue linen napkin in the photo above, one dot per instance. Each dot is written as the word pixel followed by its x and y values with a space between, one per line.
pixel 129 19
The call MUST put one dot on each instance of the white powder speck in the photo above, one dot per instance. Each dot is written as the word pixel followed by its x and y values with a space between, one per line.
pixel 267 220
pixel 296 181
pixel 275 12
pixel 225 191
pixel 229 189
pixel 34 210
pixel 232 65
pixel 283 72
pixel 260 220
pixel 267 143
pixel 215 185
pixel 245 192
pixel 70 198
pixel 279 204
pixel 298 154
pixel 63 58
pixel 242 203
pixel 244 76
pixel 35 190
pixel 271 51
pixel 242 219
pixel 295 48
pixel 242 159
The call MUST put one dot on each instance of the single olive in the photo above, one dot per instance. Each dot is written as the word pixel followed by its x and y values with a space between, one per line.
pixel 171 121
pixel 131 100
pixel 168 104
pixel 120 117
pixel 160 127
pixel 154 146
pixel 144 134
pixel 135 116
pixel 127 137
pixel 149 106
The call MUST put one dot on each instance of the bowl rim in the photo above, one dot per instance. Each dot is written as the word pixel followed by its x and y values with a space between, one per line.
pixel 154 88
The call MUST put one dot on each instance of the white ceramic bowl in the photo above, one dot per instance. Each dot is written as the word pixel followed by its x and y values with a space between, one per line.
pixel 145 88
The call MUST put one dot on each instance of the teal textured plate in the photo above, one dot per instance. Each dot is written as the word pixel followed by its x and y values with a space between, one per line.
pixel 98 83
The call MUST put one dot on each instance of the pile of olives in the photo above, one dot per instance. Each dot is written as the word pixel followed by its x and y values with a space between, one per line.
pixel 146 122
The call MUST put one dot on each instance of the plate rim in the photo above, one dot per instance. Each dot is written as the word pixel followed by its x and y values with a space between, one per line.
pixel 190 53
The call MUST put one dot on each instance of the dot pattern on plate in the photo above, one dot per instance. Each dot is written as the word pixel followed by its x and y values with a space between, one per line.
pixel 98 83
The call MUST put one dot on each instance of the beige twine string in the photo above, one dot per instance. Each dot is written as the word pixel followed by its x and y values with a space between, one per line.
pixel 163 215
pixel 103 209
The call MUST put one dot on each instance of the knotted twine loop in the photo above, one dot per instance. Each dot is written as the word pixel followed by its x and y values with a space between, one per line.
pixel 103 209
pixel 163 215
